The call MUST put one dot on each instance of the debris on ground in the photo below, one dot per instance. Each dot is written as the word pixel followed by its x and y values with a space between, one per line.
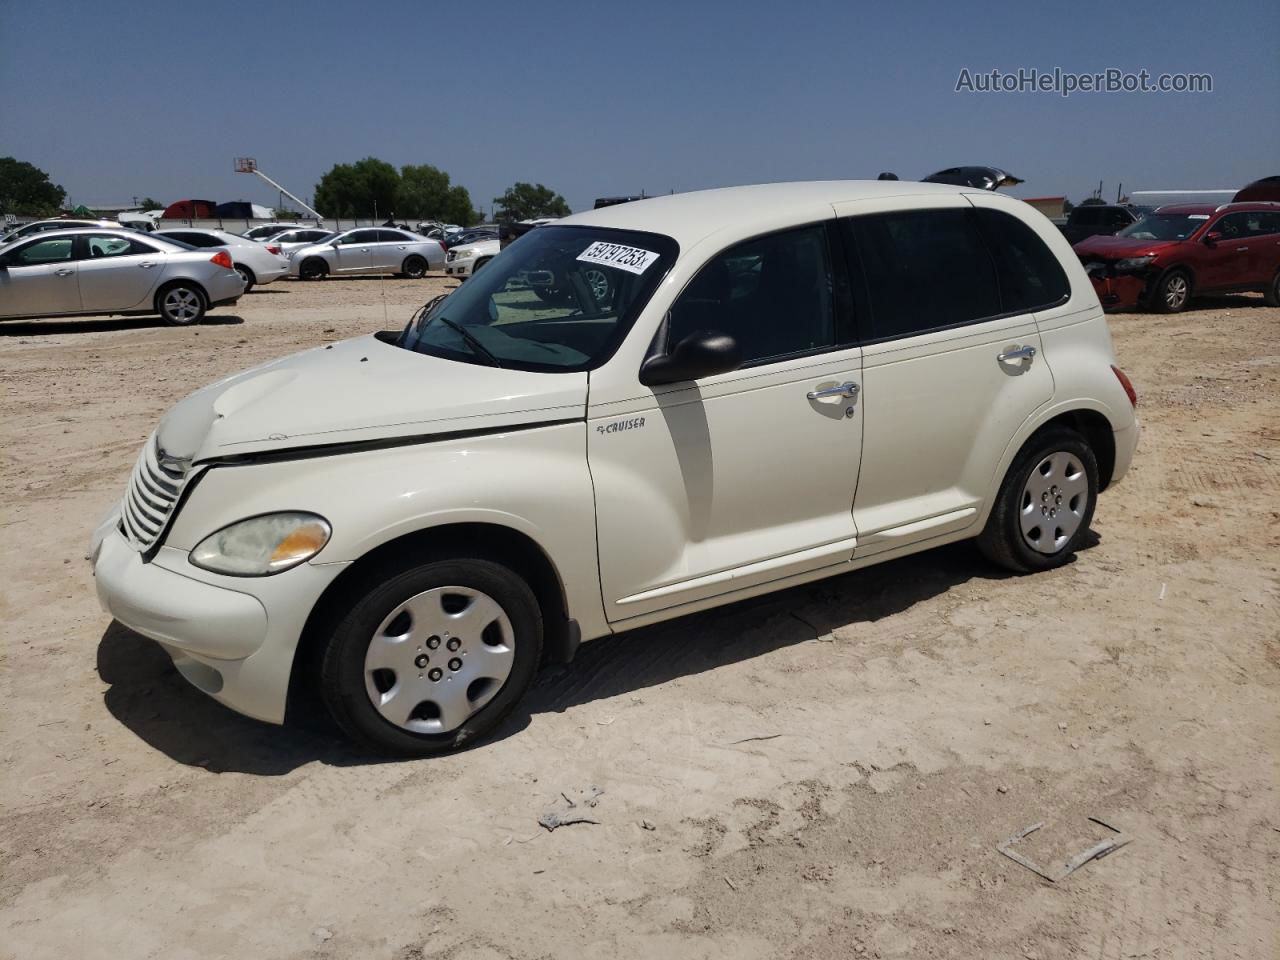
pixel 1096 852
pixel 553 819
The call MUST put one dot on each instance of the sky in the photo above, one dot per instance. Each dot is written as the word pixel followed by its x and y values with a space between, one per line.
pixel 593 99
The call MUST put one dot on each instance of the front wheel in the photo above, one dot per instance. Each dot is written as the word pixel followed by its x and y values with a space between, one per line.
pixel 181 304
pixel 1272 293
pixel 313 269
pixel 433 657
pixel 1045 504
pixel 1173 292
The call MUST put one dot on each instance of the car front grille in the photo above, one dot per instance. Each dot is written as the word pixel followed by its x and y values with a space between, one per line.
pixel 153 492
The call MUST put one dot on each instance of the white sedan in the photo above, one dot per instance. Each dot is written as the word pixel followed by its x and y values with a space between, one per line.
pixel 466 259
pixel 257 263
pixel 375 250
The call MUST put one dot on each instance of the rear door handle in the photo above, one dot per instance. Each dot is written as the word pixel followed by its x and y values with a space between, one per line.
pixel 849 389
pixel 64 272
pixel 1018 353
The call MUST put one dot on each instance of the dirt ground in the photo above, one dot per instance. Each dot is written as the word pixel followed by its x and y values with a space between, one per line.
pixel 821 773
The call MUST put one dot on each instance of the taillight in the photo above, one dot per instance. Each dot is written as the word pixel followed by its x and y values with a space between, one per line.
pixel 1124 382
pixel 222 259
pixel 271 247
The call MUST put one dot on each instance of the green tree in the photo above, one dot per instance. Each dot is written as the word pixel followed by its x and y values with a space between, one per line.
pixel 26 191
pixel 365 188
pixel 528 201
pixel 147 203
pixel 1093 202
pixel 427 194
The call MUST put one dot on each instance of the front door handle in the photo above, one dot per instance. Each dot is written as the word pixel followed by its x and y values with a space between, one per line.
pixel 849 390
pixel 1018 353
pixel 64 272
pixel 147 264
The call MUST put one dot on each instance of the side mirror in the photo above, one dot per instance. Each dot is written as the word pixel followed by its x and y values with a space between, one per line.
pixel 1212 238
pixel 701 354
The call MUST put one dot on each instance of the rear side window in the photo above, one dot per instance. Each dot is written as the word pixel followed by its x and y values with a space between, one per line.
pixel 773 295
pixel 391 236
pixel 112 246
pixel 924 270
pixel 1030 276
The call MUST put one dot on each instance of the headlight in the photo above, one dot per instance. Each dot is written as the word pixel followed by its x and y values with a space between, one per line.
pixel 261 546
pixel 1133 263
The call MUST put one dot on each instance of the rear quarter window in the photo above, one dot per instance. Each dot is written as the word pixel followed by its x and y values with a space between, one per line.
pixel 1029 274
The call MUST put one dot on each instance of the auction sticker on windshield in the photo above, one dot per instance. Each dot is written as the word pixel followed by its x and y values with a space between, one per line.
pixel 631 259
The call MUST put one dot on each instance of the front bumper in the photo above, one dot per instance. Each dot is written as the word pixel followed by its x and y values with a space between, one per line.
pixel 232 637
pixel 1120 292
pixel 459 268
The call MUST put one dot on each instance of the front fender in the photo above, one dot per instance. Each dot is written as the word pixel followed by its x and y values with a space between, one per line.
pixel 533 481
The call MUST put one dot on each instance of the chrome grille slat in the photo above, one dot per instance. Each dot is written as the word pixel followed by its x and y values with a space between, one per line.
pixel 150 498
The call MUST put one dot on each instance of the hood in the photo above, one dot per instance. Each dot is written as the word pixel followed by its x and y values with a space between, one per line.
pixel 1117 248
pixel 360 390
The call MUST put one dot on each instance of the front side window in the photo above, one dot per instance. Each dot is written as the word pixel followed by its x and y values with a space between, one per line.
pixel 1029 275
pixel 923 270
pixel 53 250
pixel 558 299
pixel 772 294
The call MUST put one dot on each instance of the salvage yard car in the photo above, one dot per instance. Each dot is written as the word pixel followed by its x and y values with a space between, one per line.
pixel 99 271
pixel 376 250
pixel 784 382
pixel 257 263
pixel 467 258
pixel 1183 250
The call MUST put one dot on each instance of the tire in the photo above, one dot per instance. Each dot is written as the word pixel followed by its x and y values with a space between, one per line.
pixel 1173 292
pixel 415 268
pixel 422 603
pixel 247 276
pixel 181 304
pixel 1272 293
pixel 480 263
pixel 1028 495
pixel 313 269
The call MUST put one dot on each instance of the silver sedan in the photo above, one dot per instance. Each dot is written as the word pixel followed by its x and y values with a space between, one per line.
pixel 257 263
pixel 368 250
pixel 98 271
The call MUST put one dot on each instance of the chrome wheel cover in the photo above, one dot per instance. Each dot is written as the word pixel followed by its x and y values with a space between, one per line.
pixel 1054 502
pixel 1175 291
pixel 182 304
pixel 437 658
pixel 598 281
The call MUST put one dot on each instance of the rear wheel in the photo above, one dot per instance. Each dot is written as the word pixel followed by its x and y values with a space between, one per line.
pixel 1272 293
pixel 1173 292
pixel 1045 504
pixel 181 304
pixel 433 657
pixel 313 269
pixel 247 276
pixel 415 267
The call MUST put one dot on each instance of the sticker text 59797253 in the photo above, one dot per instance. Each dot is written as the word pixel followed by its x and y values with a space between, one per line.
pixel 631 259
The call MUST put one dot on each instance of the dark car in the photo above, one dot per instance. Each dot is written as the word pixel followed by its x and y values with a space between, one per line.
pixel 981 178
pixel 1178 251
pixel 1098 220
pixel 1268 188
pixel 467 236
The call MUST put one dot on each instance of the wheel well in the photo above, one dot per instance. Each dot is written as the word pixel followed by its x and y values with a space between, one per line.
pixel 180 282
pixel 314 259
pixel 253 277
pixel 480 263
pixel 1096 429
pixel 488 541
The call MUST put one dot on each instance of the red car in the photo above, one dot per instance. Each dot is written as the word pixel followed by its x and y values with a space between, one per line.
pixel 1179 251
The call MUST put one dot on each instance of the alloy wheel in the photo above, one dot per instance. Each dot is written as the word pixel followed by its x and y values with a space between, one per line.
pixel 1175 292
pixel 437 658
pixel 181 304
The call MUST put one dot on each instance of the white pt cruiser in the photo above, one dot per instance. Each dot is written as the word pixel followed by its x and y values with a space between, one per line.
pixel 773 384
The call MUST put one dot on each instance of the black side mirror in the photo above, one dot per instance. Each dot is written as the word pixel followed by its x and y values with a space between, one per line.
pixel 1212 238
pixel 701 354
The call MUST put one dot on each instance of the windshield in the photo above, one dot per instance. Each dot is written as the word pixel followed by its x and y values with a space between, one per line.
pixel 558 299
pixel 1164 226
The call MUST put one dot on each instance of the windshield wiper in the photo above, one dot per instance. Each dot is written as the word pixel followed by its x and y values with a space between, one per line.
pixel 478 348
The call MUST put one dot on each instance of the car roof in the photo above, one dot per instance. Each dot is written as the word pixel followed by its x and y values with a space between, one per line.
pixel 1188 208
pixel 77 231
pixel 690 217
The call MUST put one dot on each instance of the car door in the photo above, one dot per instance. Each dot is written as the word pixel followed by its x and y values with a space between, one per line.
pixel 705 487
pixel 389 252
pixel 1265 247
pixel 40 278
pixel 1224 263
pixel 117 273
pixel 950 371
pixel 354 251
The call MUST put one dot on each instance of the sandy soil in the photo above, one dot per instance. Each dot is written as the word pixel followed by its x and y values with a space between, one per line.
pixel 821 773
